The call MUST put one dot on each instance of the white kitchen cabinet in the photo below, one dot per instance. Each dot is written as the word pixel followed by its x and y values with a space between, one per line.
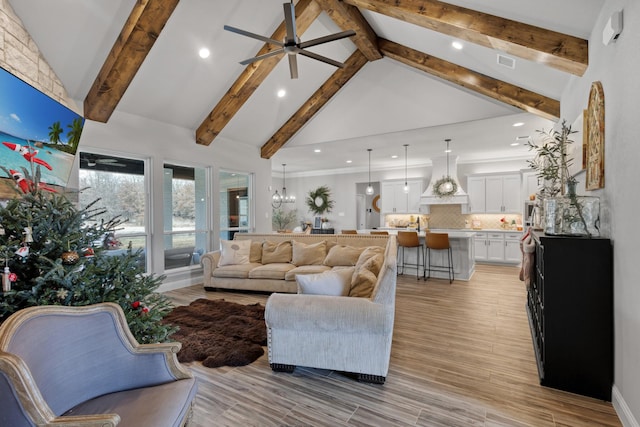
pixel 395 200
pixel 512 251
pixel 497 246
pixel 494 194
pixel 476 192
pixel 530 185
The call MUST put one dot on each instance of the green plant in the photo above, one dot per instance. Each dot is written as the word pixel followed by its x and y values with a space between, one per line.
pixel 552 164
pixel 319 200
pixel 281 218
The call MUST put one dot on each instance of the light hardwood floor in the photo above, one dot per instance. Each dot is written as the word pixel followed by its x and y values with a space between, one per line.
pixel 461 356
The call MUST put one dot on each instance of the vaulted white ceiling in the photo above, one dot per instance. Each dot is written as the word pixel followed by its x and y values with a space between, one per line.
pixel 386 105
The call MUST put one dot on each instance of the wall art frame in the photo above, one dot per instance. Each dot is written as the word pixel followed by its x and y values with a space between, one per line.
pixel 595 138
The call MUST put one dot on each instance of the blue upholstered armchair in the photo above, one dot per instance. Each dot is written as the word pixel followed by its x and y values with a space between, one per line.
pixel 81 366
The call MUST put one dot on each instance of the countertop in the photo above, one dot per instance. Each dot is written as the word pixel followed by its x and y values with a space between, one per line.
pixel 453 233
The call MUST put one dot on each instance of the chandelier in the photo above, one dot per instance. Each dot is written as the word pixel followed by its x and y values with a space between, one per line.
pixel 279 198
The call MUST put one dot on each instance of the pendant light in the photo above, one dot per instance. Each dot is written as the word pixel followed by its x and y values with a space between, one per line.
pixel 406 186
pixel 278 199
pixel 369 189
pixel 448 186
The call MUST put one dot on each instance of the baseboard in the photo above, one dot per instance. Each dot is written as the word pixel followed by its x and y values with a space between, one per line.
pixel 180 281
pixel 622 409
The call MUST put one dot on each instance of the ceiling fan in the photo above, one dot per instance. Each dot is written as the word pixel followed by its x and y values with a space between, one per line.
pixel 291 45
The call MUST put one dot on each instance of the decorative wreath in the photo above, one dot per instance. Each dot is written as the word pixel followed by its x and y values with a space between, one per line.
pixel 437 187
pixel 319 201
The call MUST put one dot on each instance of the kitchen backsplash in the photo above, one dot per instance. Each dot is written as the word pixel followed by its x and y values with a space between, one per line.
pixel 450 216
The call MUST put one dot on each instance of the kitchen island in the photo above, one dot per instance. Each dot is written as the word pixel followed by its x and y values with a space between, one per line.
pixel 462 246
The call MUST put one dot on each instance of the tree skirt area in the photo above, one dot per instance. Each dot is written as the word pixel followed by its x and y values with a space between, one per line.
pixel 219 332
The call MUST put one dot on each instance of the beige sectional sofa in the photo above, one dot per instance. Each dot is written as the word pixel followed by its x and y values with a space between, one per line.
pixel 275 260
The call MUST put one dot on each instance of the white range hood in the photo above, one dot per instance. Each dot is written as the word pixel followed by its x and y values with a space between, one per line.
pixel 439 171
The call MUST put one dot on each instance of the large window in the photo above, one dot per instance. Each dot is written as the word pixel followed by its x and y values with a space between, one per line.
pixel 185 215
pixel 120 185
pixel 235 204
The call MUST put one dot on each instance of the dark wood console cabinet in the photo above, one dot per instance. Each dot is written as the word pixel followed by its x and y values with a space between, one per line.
pixel 570 309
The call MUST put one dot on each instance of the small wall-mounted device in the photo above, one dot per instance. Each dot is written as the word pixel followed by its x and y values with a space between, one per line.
pixel 612 28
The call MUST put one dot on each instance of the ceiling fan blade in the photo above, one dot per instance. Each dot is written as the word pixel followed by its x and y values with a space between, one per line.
pixel 320 58
pixel 329 38
pixel 293 66
pixel 253 36
pixel 290 23
pixel 261 57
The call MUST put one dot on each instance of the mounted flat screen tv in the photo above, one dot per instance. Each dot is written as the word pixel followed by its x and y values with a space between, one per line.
pixel 37 135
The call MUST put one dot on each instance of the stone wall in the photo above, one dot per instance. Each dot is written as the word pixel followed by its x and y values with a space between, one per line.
pixel 20 55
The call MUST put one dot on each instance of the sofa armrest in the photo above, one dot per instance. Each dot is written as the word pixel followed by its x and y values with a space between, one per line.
pixel 209 262
pixel 330 313
pixel 25 400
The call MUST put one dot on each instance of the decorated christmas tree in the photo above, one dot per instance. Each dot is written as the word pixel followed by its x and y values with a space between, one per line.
pixel 53 253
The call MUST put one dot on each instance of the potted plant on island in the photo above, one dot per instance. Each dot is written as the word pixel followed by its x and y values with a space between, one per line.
pixel 563 209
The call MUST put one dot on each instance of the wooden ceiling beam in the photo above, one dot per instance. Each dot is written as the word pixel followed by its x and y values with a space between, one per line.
pixel 504 92
pixel 348 17
pixel 139 33
pixel 561 51
pixel 356 61
pixel 253 75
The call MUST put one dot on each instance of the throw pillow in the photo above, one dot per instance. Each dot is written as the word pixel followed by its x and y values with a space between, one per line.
pixel 333 282
pixel 234 252
pixel 340 255
pixel 273 252
pixel 255 254
pixel 309 254
pixel 365 275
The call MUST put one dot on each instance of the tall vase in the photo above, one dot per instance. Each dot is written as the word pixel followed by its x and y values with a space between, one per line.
pixel 573 216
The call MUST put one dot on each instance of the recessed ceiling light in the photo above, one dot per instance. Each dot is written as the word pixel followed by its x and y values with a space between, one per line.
pixel 204 53
pixel 317 150
pixel 457 45
pixel 395 156
pixel 349 161
pixel 447 151
pixel 281 93
pixel 522 138
pixel 515 144
pixel 516 125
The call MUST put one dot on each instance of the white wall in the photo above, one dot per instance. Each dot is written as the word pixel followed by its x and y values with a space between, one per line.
pixel 616 66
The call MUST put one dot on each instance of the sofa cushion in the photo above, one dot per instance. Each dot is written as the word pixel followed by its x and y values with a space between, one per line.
pixel 255 254
pixel 271 271
pixel 240 271
pixel 234 252
pixel 332 282
pixel 305 269
pixel 273 252
pixel 308 254
pixel 366 272
pixel 342 255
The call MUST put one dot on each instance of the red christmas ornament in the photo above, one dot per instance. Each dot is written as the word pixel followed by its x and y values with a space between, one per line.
pixel 145 310
pixel 135 304
pixel 13 277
